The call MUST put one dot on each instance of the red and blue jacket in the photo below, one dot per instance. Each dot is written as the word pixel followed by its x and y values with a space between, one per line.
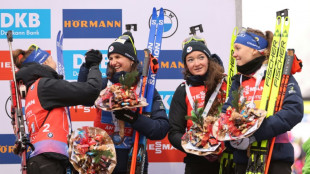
pixel 274 126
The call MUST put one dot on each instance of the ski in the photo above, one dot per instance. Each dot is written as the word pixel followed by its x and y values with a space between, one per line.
pixel 60 60
pixel 18 91
pixel 61 71
pixel 154 46
pixel 232 70
pixel 226 162
pixel 259 151
pixel 284 82
pixel 137 153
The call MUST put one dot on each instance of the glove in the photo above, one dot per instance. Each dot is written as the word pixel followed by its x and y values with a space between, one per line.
pixel 212 157
pixel 242 144
pixel 126 115
pixel 92 57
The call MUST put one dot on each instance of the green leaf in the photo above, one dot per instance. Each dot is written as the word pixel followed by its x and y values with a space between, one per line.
pixel 196 115
pixel 129 79
pixel 236 98
pixel 99 153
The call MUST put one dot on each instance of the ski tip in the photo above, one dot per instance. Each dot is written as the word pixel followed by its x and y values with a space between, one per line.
pixel 161 11
pixel 9 36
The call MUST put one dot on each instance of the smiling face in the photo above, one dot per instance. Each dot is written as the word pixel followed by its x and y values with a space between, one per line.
pixel 197 63
pixel 120 62
pixel 244 54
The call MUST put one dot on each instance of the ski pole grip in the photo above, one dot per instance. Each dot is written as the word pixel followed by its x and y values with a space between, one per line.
pixel 290 52
pixel 9 36
pixel 146 63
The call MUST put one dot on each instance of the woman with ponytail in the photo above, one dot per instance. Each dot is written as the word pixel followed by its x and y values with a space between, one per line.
pixel 46 100
pixel 252 51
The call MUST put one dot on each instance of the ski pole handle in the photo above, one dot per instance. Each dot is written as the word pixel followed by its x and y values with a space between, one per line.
pixel 9 36
pixel 146 63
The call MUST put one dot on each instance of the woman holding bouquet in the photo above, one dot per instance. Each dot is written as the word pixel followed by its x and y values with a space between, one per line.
pixel 203 75
pixel 46 100
pixel 252 49
pixel 123 60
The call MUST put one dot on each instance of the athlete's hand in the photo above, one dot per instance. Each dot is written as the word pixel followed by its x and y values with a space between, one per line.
pixel 242 144
pixel 126 115
pixel 93 57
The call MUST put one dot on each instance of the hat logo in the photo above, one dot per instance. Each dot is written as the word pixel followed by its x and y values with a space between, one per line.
pixel 111 48
pixel 189 49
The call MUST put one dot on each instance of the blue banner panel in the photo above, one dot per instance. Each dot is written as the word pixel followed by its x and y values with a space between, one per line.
pixel 25 23
pixel 92 23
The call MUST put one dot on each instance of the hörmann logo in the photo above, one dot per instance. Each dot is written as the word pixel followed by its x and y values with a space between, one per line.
pixel 25 23
pixel 170 23
pixel 92 23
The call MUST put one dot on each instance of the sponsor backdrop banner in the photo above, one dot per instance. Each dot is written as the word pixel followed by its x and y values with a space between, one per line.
pixel 95 24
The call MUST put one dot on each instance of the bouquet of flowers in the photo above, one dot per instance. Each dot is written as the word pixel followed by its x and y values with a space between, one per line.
pixel 239 121
pixel 91 150
pixel 199 140
pixel 120 95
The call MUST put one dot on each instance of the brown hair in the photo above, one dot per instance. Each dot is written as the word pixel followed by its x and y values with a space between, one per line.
pixel 215 75
pixel 268 36
pixel 23 54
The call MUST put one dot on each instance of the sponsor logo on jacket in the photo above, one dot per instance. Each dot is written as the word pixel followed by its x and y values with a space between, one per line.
pixel 25 23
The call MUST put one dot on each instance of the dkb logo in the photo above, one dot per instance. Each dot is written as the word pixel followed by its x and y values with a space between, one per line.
pixel 25 23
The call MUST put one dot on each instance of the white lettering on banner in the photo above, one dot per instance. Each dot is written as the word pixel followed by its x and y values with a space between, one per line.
pixel 34 20
pixel 109 127
pixel 75 73
pixel 159 147
pixel 165 101
pixel 86 109
pixel 18 33
pixel 20 20
pixel 75 60
pixel 104 61
pixel 8 16
pixel 5 64
pixel 7 20
pixel 33 32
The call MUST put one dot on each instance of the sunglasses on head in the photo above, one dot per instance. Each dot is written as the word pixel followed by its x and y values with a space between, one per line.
pixel 193 38
pixel 33 46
